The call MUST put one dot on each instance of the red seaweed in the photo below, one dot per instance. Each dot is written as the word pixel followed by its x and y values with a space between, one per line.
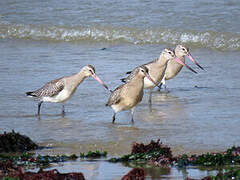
pixel 135 174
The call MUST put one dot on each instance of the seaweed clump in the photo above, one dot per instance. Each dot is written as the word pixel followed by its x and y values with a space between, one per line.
pixel 134 174
pixel 92 154
pixel 15 142
pixel 153 153
pixel 29 160
pixel 10 171
pixel 229 157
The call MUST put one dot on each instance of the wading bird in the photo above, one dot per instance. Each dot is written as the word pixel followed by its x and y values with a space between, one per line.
pixel 128 95
pixel 173 68
pixel 60 90
pixel 157 69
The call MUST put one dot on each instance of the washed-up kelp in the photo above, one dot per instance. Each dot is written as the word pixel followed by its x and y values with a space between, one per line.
pixel 92 154
pixel 154 152
pixel 135 174
pixel 10 171
pixel 229 157
pixel 31 160
pixel 15 142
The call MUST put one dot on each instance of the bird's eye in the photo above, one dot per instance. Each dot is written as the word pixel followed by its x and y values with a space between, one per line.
pixel 169 52
pixel 142 70
pixel 91 71
pixel 183 49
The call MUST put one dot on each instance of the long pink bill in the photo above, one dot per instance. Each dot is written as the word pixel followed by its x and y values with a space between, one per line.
pixel 182 63
pixel 100 81
pixel 194 61
pixel 150 79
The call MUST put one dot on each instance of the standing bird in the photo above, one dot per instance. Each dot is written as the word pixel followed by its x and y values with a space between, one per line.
pixel 60 90
pixel 157 69
pixel 128 95
pixel 173 68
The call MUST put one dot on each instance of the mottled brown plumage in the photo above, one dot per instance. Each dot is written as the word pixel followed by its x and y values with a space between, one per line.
pixel 127 96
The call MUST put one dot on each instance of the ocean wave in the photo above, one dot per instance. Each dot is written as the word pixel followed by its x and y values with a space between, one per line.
pixel 222 41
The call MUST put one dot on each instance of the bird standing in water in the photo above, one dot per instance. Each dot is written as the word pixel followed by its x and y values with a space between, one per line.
pixel 60 90
pixel 128 95
pixel 173 68
pixel 157 69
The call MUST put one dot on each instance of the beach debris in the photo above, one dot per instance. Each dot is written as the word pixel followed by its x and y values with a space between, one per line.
pixel 229 157
pixel 15 142
pixel 92 154
pixel 30 160
pixel 10 171
pixel 153 153
pixel 135 174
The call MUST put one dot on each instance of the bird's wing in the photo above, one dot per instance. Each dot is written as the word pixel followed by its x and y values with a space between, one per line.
pixel 151 62
pixel 115 97
pixel 50 89
pixel 131 75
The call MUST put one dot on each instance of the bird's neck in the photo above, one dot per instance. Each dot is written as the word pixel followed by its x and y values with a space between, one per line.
pixel 162 61
pixel 137 82
pixel 79 77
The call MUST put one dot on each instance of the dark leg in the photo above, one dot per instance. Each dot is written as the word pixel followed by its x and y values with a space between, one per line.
pixel 132 112
pixel 39 107
pixel 150 97
pixel 113 118
pixel 63 110
pixel 160 86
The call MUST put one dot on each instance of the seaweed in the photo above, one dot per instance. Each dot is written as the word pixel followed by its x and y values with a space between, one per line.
pixel 135 174
pixel 30 160
pixel 10 172
pixel 229 157
pixel 92 154
pixel 153 153
pixel 15 142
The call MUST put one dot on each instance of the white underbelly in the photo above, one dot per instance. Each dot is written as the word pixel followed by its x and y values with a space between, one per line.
pixel 148 84
pixel 61 97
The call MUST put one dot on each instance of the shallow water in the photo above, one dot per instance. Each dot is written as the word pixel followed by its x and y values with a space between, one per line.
pixel 199 114
pixel 41 41
pixel 99 170
pixel 196 108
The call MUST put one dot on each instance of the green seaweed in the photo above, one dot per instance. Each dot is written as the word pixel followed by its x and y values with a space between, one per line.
pixel 158 154
pixel 229 157
pixel 92 154
pixel 10 178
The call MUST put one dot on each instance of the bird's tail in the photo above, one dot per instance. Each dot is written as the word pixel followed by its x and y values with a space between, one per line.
pixel 30 93
pixel 123 79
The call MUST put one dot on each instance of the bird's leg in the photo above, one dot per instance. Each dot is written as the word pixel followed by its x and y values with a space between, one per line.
pixel 163 82
pixel 63 110
pixel 113 118
pixel 160 86
pixel 150 97
pixel 39 107
pixel 132 112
